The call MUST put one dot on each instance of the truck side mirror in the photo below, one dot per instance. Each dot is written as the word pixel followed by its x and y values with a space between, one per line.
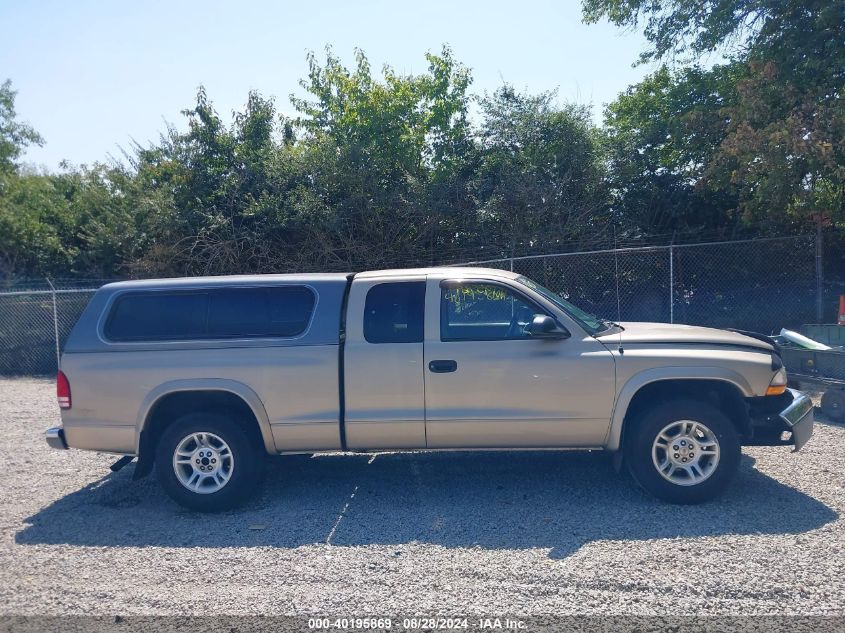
pixel 544 326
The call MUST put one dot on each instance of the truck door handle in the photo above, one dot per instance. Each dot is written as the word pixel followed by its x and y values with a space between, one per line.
pixel 442 366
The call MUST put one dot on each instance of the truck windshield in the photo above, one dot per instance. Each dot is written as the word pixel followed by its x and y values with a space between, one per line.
pixel 588 321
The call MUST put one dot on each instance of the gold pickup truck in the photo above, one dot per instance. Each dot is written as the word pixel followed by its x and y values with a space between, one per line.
pixel 200 378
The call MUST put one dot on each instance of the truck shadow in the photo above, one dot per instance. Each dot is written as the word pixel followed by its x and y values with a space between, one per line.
pixel 552 500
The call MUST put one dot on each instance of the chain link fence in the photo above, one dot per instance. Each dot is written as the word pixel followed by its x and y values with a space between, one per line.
pixel 35 320
pixel 760 285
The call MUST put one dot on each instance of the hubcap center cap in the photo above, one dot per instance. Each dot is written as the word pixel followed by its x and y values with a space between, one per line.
pixel 684 450
pixel 206 460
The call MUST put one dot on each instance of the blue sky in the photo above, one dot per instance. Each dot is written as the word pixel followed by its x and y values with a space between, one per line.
pixel 93 75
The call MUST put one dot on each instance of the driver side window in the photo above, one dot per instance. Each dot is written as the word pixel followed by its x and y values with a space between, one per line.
pixel 477 311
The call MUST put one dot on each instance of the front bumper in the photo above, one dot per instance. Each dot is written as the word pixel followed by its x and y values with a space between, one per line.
pixel 785 420
pixel 56 437
pixel 798 416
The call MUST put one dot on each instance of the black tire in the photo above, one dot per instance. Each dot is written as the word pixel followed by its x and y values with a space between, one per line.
pixel 641 436
pixel 245 472
pixel 833 404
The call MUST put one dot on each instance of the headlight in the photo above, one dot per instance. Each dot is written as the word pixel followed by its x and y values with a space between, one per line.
pixel 778 384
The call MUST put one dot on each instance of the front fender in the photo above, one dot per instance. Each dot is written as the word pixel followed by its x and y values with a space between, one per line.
pixel 657 374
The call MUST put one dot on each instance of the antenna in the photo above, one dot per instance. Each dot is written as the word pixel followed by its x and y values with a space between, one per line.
pixel 618 302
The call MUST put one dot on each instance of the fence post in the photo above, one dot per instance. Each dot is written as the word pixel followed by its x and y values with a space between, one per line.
pixel 671 283
pixel 55 321
pixel 511 260
pixel 819 271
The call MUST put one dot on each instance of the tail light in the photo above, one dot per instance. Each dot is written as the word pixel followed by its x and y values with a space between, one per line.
pixel 63 390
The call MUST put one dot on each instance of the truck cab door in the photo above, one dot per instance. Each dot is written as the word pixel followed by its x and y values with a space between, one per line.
pixel 383 368
pixel 490 383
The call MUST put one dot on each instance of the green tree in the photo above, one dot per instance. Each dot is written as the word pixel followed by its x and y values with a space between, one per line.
pixel 540 181
pixel 113 219
pixel 386 153
pixel 400 123
pixel 660 138
pixel 34 219
pixel 783 150
pixel 209 192
pixel 31 210
pixel 14 135
pixel 679 29
pixel 350 184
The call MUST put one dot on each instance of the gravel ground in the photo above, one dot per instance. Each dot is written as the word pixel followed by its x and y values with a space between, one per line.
pixel 440 533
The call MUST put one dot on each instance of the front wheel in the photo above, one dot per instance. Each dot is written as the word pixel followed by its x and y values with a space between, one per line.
pixel 683 451
pixel 208 462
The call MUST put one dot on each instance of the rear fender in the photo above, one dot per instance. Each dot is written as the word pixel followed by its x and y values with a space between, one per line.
pixel 207 384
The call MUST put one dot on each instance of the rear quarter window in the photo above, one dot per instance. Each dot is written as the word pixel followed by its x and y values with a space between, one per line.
pixel 394 312
pixel 218 313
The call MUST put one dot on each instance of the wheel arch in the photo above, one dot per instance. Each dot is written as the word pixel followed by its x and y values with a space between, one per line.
pixel 218 392
pixel 683 381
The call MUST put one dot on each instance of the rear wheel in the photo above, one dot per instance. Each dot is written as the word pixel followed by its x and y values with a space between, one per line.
pixel 208 462
pixel 683 451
